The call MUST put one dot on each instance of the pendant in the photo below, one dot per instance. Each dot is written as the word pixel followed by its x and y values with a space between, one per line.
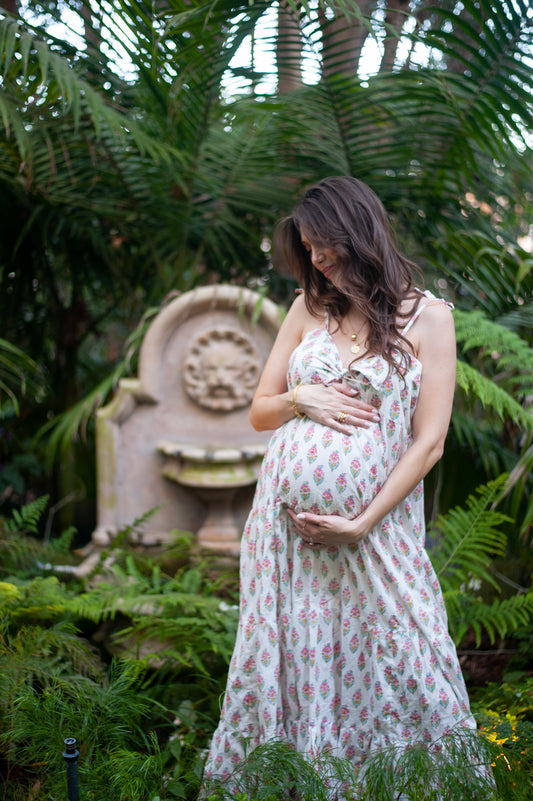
pixel 355 348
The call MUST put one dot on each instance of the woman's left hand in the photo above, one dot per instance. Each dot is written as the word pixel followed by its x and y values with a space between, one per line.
pixel 324 531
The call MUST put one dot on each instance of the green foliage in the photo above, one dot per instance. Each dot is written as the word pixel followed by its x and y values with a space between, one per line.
pixel 494 275
pixel 16 551
pixel 28 517
pixel 20 468
pixel 130 773
pixel 17 374
pixel 143 723
pixel 521 498
pixel 140 723
pixel 38 642
pixel 466 541
pixel 178 618
pixel 503 375
pixel 105 715
pixel 491 394
pixel 28 61
pixel 505 716
pixel 117 191
pixel 513 697
pixel 506 353
pixel 71 424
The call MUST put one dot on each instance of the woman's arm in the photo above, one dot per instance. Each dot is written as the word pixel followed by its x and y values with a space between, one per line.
pixel 272 404
pixel 434 339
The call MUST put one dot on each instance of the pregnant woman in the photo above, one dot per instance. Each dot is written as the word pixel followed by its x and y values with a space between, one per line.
pixel 343 642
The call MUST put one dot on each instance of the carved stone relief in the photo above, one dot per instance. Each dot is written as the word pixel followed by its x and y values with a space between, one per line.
pixel 221 370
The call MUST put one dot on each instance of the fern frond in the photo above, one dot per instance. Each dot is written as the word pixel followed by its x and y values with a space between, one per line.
pixel 467 539
pixel 492 395
pixel 34 653
pixel 17 552
pixel 41 598
pixel 28 517
pixel 503 616
pixel 178 620
pixel 502 348
pixel 186 640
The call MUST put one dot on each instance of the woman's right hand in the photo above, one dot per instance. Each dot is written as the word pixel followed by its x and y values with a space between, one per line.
pixel 335 405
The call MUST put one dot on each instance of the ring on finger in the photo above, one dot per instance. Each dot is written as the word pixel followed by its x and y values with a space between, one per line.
pixel 341 417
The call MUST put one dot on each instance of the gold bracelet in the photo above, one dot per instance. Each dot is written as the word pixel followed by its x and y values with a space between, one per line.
pixel 294 406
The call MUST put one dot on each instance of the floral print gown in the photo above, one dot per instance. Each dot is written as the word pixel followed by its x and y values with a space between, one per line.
pixel 345 648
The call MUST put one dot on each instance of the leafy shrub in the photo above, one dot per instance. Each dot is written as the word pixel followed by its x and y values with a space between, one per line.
pixel 140 723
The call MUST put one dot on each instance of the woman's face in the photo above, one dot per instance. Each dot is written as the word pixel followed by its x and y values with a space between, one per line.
pixel 323 258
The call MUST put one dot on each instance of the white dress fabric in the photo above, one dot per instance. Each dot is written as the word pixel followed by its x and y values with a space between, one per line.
pixel 345 649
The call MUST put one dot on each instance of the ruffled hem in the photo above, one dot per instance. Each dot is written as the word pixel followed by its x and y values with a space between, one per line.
pixel 230 746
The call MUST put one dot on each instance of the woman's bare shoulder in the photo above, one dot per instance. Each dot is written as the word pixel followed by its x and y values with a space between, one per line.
pixel 434 324
pixel 300 311
pixel 436 309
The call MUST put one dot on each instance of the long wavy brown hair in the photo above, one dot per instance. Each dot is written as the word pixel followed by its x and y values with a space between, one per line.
pixel 344 214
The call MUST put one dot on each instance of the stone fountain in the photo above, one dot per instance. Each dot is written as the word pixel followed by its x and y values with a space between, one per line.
pixel 177 439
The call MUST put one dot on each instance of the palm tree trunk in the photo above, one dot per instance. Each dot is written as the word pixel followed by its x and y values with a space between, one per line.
pixel 343 39
pixel 288 50
pixel 92 35
pixel 397 11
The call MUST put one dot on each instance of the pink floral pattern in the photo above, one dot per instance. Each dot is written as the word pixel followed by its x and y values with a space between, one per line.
pixel 345 648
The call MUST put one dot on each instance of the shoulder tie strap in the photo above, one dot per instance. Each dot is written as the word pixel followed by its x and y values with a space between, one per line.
pixel 430 298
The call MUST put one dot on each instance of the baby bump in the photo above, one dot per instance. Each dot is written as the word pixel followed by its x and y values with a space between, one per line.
pixel 326 472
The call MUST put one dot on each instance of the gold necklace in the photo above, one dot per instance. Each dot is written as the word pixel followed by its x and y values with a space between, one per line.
pixel 355 346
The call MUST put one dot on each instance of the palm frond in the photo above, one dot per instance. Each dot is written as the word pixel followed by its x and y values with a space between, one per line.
pixel 53 86
pixel 18 373
pixel 493 275
pixel 70 426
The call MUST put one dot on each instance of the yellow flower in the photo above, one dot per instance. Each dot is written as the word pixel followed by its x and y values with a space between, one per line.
pixel 495 737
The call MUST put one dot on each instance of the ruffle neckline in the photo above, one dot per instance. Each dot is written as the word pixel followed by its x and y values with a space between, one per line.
pixel 373 368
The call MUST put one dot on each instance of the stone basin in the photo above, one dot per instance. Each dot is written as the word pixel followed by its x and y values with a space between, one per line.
pixel 215 473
